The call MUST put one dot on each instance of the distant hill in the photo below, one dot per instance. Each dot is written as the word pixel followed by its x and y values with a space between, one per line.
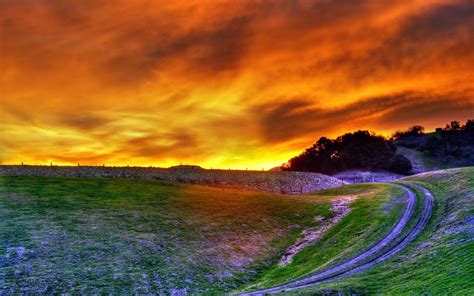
pixel 406 152
pixel 448 147
pixel 186 167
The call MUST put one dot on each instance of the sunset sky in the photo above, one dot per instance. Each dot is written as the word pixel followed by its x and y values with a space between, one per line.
pixel 239 84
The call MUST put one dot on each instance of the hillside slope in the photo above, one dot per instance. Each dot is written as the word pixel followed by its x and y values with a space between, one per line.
pixel 441 260
pixel 370 220
pixel 421 162
pixel 142 236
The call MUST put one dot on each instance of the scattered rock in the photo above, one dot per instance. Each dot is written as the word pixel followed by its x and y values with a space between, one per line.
pixel 360 176
pixel 18 252
pixel 179 292
pixel 340 207
pixel 266 181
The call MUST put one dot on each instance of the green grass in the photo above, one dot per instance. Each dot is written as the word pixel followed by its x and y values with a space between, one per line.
pixel 441 260
pixel 372 216
pixel 116 236
pixel 136 236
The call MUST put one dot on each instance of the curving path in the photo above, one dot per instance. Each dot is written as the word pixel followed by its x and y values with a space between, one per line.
pixel 379 252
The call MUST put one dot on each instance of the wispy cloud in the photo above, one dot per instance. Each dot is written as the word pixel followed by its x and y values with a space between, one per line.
pixel 224 83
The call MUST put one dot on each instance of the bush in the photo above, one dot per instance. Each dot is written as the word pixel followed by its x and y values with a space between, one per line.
pixel 400 164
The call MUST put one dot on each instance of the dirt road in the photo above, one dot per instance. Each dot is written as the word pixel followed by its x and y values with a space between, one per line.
pixel 379 252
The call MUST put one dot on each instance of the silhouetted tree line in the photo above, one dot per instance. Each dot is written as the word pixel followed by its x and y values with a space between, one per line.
pixel 367 151
pixel 358 150
pixel 452 144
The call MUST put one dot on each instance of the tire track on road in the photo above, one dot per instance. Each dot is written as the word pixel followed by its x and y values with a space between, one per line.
pixel 366 259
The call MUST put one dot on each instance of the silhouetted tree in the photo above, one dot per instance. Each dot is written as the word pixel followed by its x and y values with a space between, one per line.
pixel 469 126
pixel 400 164
pixel 453 144
pixel 453 126
pixel 411 131
pixel 358 150
pixel 363 150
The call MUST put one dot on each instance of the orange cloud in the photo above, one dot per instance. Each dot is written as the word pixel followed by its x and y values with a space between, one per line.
pixel 223 83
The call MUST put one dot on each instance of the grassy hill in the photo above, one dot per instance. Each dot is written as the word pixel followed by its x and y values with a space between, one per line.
pixel 441 260
pixel 422 162
pixel 141 236
pixel 371 218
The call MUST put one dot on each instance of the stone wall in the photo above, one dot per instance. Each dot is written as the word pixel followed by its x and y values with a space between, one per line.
pixel 274 182
pixel 356 176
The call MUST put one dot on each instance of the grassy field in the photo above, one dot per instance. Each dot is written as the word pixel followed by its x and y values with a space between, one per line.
pixel 89 236
pixel 441 260
pixel 138 236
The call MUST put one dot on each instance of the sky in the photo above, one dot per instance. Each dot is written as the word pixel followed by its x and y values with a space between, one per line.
pixel 223 84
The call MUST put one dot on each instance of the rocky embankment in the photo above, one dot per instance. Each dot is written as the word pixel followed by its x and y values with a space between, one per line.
pixel 340 207
pixel 266 181
pixel 359 176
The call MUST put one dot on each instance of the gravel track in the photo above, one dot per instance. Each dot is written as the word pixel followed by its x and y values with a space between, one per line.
pixel 379 252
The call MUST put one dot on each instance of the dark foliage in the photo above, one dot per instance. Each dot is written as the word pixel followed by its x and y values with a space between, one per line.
pixel 453 145
pixel 400 165
pixel 415 130
pixel 413 137
pixel 358 150
pixel 469 126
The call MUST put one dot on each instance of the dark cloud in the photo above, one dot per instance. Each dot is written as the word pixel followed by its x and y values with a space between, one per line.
pixel 87 158
pixel 83 121
pixel 72 14
pixel 210 50
pixel 285 121
pixel 441 36
pixel 443 33
pixel 152 46
pixel 423 109
pixel 129 44
pixel 180 144
pixel 298 118
pixel 440 23
pixel 15 112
